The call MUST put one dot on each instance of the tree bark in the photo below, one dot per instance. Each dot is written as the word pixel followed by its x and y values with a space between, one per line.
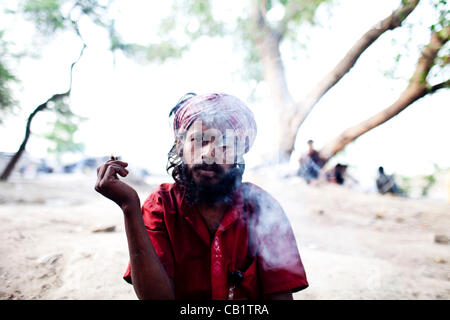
pixel 267 41
pixel 417 88
pixel 302 108
pixel 12 163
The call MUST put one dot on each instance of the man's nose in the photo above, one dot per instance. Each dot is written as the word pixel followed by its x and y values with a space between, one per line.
pixel 208 153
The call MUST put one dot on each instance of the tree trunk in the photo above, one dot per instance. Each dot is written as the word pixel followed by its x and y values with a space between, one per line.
pixel 417 88
pixel 275 76
pixel 12 163
pixel 302 108
pixel 267 41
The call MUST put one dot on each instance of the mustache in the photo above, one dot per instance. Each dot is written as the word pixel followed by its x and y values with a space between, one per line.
pixel 210 167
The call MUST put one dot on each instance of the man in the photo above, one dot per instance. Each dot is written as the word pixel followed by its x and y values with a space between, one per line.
pixel 386 184
pixel 208 235
pixel 310 163
pixel 337 174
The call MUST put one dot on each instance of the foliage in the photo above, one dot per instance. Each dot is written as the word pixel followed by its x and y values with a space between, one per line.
pixel 189 21
pixel 46 14
pixel 405 185
pixel 205 24
pixel 196 19
pixel 193 19
pixel 422 184
pixel 439 72
pixel 430 180
pixel 295 13
pixel 251 61
pixel 7 101
pixel 50 17
pixel 441 7
pixel 62 130
pixel 53 16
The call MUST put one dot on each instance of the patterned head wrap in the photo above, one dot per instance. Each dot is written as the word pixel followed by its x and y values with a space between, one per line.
pixel 219 105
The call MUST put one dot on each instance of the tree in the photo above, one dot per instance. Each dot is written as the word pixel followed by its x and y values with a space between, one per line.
pixel 262 36
pixel 51 16
pixel 259 33
pixel 56 100
pixel 417 88
pixel 296 112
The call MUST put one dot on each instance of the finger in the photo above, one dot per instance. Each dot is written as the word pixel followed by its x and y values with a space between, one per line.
pixel 121 163
pixel 101 171
pixel 110 174
pixel 122 171
pixel 113 170
pixel 118 170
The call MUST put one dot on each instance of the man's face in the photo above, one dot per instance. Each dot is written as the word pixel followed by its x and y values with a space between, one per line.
pixel 206 154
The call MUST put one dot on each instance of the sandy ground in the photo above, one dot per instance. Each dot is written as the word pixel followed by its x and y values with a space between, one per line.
pixel 353 245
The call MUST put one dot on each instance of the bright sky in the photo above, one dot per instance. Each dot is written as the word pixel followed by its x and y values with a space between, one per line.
pixel 127 104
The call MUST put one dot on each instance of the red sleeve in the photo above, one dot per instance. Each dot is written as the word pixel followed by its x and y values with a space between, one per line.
pixel 153 215
pixel 279 263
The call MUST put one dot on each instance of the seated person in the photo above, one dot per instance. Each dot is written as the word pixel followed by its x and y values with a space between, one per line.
pixel 337 174
pixel 310 163
pixel 386 184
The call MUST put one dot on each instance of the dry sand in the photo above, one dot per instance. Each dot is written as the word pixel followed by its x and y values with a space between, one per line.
pixel 354 245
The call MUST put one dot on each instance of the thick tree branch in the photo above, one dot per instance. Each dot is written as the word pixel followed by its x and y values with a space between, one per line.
pixel 267 42
pixel 304 107
pixel 416 89
pixel 429 53
pixel 442 85
pixel 258 14
pixel 43 106
pixel 393 21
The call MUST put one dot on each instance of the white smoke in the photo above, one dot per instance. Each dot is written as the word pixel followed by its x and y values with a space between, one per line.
pixel 277 247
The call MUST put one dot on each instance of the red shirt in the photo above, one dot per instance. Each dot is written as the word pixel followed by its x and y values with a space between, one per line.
pixel 254 237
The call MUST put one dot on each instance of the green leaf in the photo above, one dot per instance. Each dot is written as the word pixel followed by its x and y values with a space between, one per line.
pixel 61 137
pixel 7 102
pixel 46 14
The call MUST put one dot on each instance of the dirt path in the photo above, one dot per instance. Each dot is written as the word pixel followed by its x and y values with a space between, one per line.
pixel 353 245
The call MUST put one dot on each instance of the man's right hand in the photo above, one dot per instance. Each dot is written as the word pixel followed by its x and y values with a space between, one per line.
pixel 109 185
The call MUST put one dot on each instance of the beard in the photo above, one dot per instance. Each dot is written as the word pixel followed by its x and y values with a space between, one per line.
pixel 200 192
